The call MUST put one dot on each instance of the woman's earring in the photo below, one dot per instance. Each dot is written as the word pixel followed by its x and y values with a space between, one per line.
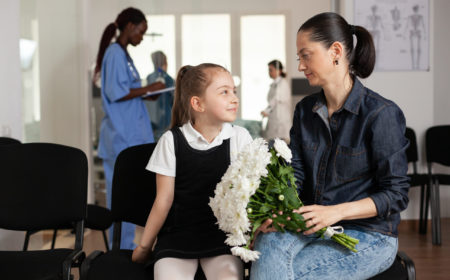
pixel 336 62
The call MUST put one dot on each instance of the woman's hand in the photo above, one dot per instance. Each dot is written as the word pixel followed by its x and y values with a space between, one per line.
pixel 155 86
pixel 264 114
pixel 140 254
pixel 318 216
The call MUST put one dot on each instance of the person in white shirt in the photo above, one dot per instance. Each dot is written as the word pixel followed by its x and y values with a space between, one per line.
pixel 279 110
pixel 189 160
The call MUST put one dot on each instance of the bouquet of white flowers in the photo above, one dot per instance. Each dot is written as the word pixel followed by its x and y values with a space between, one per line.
pixel 258 184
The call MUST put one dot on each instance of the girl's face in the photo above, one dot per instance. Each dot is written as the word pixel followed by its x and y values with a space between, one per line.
pixel 220 102
pixel 273 72
pixel 137 32
pixel 315 61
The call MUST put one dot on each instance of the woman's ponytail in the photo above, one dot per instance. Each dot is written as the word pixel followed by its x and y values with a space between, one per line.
pixel 328 28
pixel 108 35
pixel 363 58
pixel 130 14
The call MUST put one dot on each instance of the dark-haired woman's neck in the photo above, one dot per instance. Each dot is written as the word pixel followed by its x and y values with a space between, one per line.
pixel 122 40
pixel 336 92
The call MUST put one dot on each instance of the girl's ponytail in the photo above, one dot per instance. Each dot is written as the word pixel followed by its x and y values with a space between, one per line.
pixel 191 81
pixel 362 60
pixel 180 108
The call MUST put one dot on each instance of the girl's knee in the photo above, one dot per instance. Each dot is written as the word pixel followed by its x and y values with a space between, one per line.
pixel 223 267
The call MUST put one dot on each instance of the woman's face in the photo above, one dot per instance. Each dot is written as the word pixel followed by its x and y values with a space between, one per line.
pixel 137 32
pixel 273 72
pixel 314 60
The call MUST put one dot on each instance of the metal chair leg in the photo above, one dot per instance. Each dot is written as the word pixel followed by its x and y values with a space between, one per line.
pixel 106 240
pixel 55 232
pixel 422 221
pixel 435 214
pixel 26 241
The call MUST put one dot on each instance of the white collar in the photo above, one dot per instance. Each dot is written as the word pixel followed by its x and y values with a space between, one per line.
pixel 277 80
pixel 193 135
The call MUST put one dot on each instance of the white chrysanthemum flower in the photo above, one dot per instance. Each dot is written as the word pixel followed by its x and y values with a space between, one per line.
pixel 236 239
pixel 245 254
pixel 282 149
pixel 233 192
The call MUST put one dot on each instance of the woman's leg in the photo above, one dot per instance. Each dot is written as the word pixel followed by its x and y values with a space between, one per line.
pixel 108 169
pixel 128 229
pixel 175 269
pixel 223 267
pixel 278 251
pixel 325 259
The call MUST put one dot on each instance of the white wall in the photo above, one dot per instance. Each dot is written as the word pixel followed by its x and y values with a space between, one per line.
pixel 64 75
pixel 11 93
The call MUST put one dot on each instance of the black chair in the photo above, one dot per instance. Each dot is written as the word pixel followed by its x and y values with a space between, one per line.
pixel 134 190
pixel 43 186
pixel 402 269
pixel 438 151
pixel 97 217
pixel 418 180
pixel 8 141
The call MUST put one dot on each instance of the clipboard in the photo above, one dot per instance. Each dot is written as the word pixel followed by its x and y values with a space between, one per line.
pixel 156 92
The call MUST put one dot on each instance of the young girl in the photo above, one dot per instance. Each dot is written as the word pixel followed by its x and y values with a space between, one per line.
pixel 189 161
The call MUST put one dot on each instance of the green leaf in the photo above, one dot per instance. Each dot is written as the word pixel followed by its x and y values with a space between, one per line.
pixel 264 209
pixel 291 196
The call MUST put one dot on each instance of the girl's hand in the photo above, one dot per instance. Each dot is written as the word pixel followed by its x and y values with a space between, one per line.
pixel 264 227
pixel 264 114
pixel 319 216
pixel 140 254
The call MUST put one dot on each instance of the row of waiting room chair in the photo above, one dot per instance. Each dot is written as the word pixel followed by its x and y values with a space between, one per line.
pixel 437 150
pixel 44 186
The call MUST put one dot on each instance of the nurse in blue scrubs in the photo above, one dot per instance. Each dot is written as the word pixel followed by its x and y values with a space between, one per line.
pixel 126 122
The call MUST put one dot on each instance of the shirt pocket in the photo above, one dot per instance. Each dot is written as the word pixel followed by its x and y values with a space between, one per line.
pixel 351 163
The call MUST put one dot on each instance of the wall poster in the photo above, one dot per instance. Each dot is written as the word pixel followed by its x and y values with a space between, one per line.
pixel 400 30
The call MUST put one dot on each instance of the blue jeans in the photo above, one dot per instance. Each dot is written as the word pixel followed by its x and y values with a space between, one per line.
pixel 296 256
pixel 128 229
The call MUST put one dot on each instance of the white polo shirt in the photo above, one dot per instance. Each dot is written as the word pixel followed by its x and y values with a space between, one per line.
pixel 163 160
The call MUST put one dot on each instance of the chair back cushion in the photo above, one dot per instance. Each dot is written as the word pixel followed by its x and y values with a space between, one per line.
pixel 438 144
pixel 411 152
pixel 134 187
pixel 42 186
pixel 8 141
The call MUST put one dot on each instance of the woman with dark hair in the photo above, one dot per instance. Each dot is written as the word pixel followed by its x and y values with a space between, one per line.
pixel 348 148
pixel 126 122
pixel 278 111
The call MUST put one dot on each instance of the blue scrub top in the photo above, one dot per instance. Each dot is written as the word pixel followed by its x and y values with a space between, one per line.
pixel 126 123
pixel 160 110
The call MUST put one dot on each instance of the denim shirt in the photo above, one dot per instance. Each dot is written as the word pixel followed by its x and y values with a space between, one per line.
pixel 359 152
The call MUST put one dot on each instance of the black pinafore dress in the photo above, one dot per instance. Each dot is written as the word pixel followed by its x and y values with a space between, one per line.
pixel 190 230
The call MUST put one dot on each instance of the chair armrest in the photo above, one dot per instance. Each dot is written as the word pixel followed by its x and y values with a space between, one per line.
pixel 73 259
pixel 84 270
pixel 409 265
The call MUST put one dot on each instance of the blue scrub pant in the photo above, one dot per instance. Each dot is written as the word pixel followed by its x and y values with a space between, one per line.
pixel 128 229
